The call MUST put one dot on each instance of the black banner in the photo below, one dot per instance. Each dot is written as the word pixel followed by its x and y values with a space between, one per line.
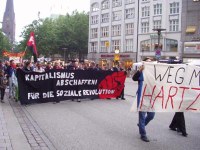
pixel 58 85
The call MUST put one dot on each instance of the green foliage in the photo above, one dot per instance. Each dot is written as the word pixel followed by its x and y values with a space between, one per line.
pixel 54 34
pixel 4 43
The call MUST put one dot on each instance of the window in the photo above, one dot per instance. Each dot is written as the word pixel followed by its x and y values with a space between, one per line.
pixel 105 18
pixel 116 15
pixel 157 9
pixel 171 45
pixel 173 25
pixel 94 33
pixel 129 45
pixel 154 43
pixel 94 19
pixel 145 45
pixel 116 30
pixel 104 31
pixel 129 13
pixel 145 11
pixel 130 1
pixel 129 28
pixel 95 7
pixel 103 46
pixel 174 8
pixel 116 3
pixel 157 24
pixel 93 46
pixel 145 27
pixel 116 45
pixel 105 4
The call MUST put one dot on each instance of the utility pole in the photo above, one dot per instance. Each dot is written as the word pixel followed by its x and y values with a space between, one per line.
pixel 158 50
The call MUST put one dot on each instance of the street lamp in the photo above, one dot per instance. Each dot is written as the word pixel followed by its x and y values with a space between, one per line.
pixel 116 57
pixel 64 53
pixel 116 51
pixel 158 51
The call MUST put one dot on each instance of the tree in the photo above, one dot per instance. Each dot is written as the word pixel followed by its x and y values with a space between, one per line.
pixel 53 35
pixel 4 44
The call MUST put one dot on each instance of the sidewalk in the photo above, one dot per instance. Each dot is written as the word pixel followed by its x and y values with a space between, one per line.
pixel 18 130
pixel 11 134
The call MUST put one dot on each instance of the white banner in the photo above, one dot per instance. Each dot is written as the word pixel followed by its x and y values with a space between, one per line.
pixel 170 88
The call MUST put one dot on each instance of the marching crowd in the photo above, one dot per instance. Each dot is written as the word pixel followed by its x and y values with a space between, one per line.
pixel 8 71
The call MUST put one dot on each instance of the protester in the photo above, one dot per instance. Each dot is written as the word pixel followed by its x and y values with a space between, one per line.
pixel 38 68
pixel 48 66
pixel 57 66
pixel 178 123
pixel 3 84
pixel 120 68
pixel 1 66
pixel 28 67
pixel 9 72
pixel 144 117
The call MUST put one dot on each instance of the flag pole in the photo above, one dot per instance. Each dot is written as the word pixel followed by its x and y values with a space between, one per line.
pixel 24 54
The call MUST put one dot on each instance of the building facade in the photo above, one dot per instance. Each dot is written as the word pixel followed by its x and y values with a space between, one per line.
pixel 113 26
pixel 190 30
pixel 127 25
pixel 155 15
pixel 8 25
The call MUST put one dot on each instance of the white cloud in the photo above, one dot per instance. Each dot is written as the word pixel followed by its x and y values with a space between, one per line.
pixel 27 10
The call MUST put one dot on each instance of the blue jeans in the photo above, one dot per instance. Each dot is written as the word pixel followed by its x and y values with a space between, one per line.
pixel 144 119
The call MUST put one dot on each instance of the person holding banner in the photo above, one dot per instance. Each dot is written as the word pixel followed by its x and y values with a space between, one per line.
pixel 144 117
pixel 178 123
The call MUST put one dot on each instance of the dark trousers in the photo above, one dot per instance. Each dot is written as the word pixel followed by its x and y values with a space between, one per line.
pixel 122 94
pixel 2 93
pixel 178 122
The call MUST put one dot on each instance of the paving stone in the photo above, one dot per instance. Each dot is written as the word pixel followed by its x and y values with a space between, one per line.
pixel 44 148
pixel 32 142
pixel 42 144
pixel 36 148
pixel 34 145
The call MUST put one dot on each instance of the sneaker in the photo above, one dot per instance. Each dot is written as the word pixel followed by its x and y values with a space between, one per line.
pixel 78 100
pixel 145 139
pixel 123 98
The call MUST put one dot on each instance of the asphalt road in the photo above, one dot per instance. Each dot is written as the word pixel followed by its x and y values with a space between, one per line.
pixel 109 125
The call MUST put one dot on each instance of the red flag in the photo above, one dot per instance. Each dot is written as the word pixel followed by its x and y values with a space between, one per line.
pixel 31 43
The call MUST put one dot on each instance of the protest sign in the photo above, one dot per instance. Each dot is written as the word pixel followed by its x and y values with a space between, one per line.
pixel 58 85
pixel 170 88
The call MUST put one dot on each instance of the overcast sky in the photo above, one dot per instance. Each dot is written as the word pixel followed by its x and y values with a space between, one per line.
pixel 27 10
